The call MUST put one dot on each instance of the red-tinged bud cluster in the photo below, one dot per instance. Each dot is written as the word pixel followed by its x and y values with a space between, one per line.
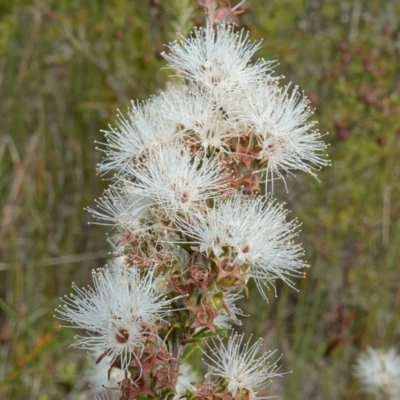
pixel 134 387
pixel 204 316
pixel 229 273
pixel 179 284
pixel 224 14
pixel 243 162
pixel 205 391
pixel 153 370
pixel 165 377
pixel 201 276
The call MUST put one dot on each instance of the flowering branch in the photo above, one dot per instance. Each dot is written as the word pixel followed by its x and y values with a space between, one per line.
pixel 191 227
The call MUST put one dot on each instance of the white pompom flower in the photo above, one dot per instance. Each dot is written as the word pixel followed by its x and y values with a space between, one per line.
pixel 251 232
pixel 280 122
pixel 124 211
pixel 379 372
pixel 142 130
pixel 218 58
pixel 236 366
pixel 115 312
pixel 176 180
pixel 200 118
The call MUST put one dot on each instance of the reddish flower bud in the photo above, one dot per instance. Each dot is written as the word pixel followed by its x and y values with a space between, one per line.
pixel 205 390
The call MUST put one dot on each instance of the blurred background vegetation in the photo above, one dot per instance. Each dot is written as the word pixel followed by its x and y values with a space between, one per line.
pixel 67 65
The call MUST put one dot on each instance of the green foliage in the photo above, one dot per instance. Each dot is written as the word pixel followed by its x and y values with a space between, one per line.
pixel 66 66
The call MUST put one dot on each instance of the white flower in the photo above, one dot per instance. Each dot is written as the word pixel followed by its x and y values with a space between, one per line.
pixel 199 116
pixel 185 380
pixel 237 366
pixel 379 372
pixel 176 180
pixel 114 311
pixel 128 213
pixel 280 122
pixel 218 58
pixel 251 231
pixel 143 130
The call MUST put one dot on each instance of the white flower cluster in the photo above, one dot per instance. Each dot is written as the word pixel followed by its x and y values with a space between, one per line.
pixel 379 372
pixel 227 100
pixel 228 129
pixel 250 231
pixel 192 226
pixel 237 366
pixel 116 310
